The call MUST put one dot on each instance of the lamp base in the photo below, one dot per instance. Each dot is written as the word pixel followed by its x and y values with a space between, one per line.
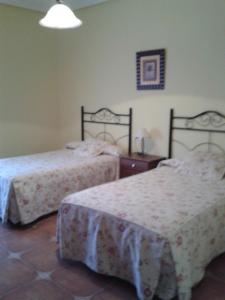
pixel 141 153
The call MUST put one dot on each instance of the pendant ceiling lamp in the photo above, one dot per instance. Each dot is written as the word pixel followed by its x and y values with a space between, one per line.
pixel 60 16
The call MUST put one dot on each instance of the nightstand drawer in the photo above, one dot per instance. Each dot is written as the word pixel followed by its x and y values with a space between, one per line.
pixel 135 165
pixel 153 164
pixel 127 172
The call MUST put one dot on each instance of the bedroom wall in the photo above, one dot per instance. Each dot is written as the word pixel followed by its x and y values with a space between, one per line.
pixel 29 103
pixel 97 62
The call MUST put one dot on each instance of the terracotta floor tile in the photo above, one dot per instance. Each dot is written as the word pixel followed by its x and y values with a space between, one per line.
pixel 77 281
pixel 217 267
pixel 39 290
pixel 14 273
pixel 42 258
pixel 3 253
pixel 83 270
pixel 48 223
pixel 119 290
pixel 209 289
pixel 18 241
pixel 35 248
pixel 4 229
pixel 27 238
pixel 1 229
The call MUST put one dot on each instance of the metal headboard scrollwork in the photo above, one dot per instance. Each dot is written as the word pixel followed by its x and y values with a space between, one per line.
pixel 208 122
pixel 105 116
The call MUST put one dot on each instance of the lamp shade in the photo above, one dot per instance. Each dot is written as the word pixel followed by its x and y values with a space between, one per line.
pixel 60 16
pixel 141 134
pixel 140 140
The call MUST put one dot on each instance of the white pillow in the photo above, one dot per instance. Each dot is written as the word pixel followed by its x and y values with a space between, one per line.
pixel 104 146
pixel 72 145
pixel 90 148
pixel 93 147
pixel 171 162
pixel 91 142
pixel 208 166
pixel 114 150
pixel 95 142
pixel 87 151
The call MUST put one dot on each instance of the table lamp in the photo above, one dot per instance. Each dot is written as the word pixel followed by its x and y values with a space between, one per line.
pixel 140 140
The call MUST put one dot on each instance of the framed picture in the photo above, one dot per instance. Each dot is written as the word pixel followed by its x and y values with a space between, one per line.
pixel 151 69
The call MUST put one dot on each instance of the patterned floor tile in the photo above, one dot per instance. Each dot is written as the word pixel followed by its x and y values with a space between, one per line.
pixel 3 253
pixel 43 275
pixel 14 273
pixel 19 239
pixel 83 298
pixel 42 258
pixel 15 255
pixel 48 224
pixel 31 270
pixel 119 290
pixel 4 230
pixel 77 281
pixel 39 290
pixel 53 239
pixel 209 289
pixel 217 268
pixel 91 297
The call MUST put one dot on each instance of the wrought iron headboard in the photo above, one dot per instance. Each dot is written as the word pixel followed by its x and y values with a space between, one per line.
pixel 208 122
pixel 105 116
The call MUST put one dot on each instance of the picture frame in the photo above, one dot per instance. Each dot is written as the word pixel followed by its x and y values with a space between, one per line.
pixel 150 69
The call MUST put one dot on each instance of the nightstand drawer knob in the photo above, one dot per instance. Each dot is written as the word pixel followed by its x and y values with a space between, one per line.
pixel 133 166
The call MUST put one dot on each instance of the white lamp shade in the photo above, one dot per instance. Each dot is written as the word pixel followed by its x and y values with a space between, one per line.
pixel 140 140
pixel 60 16
pixel 141 134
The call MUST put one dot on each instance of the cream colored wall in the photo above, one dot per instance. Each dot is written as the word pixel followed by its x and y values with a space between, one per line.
pixel 45 76
pixel 29 103
pixel 97 62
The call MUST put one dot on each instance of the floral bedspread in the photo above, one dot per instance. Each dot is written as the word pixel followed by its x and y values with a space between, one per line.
pixel 158 230
pixel 34 185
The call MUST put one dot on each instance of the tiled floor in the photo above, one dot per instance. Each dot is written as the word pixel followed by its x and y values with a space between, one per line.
pixel 31 270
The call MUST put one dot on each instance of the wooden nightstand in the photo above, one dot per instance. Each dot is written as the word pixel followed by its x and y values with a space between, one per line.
pixel 137 163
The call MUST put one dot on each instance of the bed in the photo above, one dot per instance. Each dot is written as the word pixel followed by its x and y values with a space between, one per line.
pixel 159 229
pixel 32 186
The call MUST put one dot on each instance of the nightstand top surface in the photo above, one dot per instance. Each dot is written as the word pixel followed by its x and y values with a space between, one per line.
pixel 145 157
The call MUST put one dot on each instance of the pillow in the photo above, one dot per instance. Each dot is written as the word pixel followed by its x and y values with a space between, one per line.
pixel 72 145
pixel 171 162
pixel 208 166
pixel 104 147
pixel 114 150
pixel 90 148
pixel 93 147
pixel 85 151
pixel 92 142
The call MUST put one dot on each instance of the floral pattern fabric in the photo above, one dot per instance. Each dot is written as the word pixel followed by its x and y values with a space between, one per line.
pixel 158 230
pixel 34 185
pixel 94 147
pixel 207 165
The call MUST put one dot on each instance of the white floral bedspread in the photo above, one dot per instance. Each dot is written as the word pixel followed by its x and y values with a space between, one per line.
pixel 34 185
pixel 158 230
